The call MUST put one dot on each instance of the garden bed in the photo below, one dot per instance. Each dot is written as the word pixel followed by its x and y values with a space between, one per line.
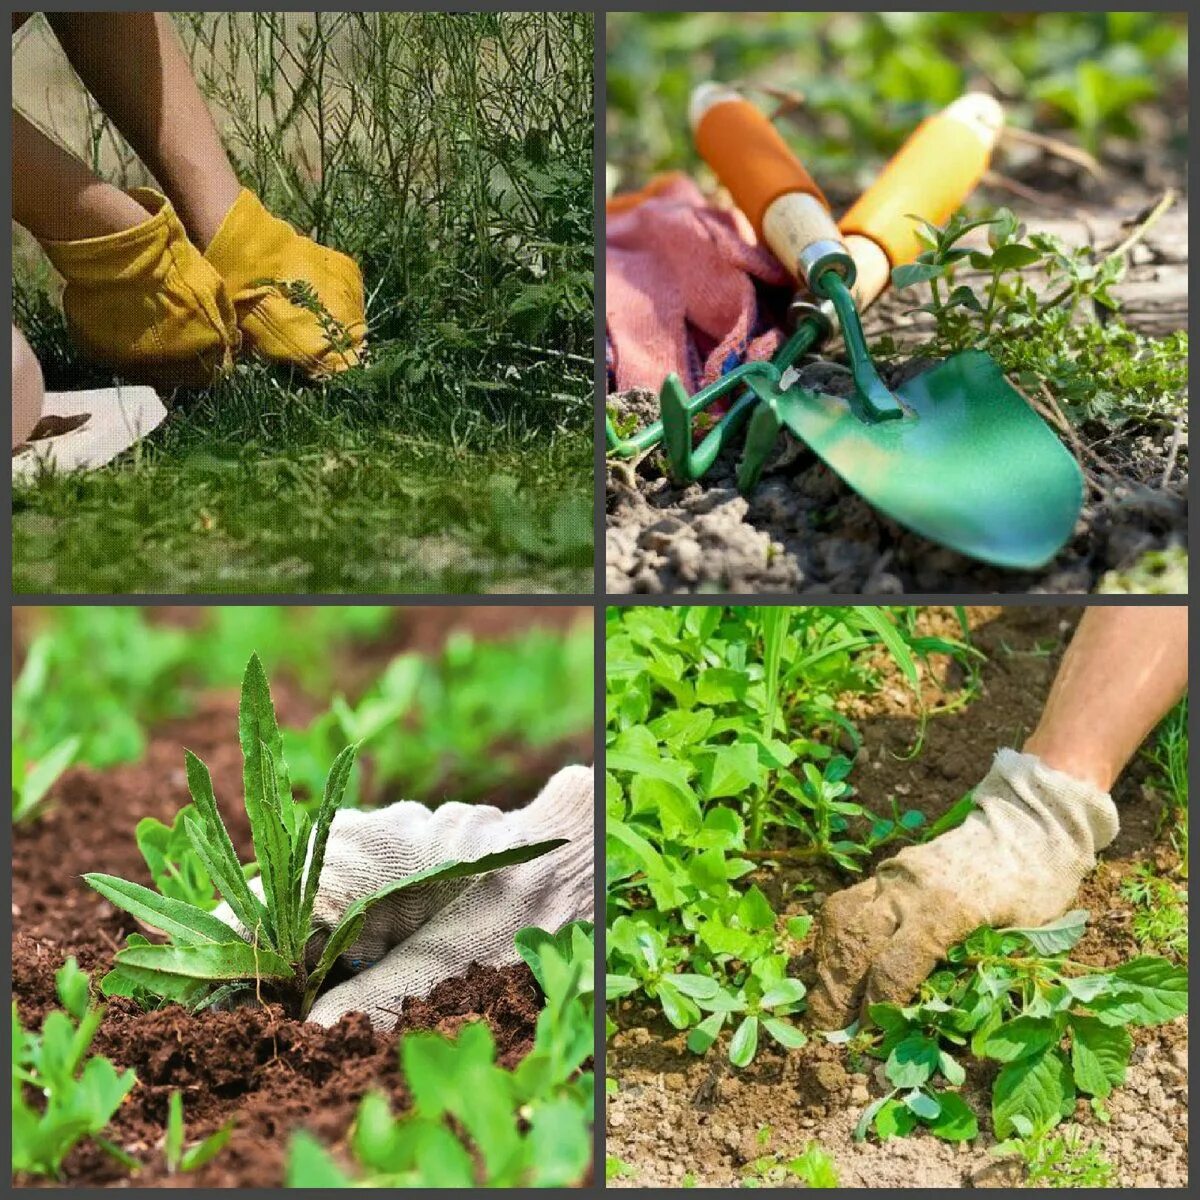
pixel 675 1117
pixel 269 1074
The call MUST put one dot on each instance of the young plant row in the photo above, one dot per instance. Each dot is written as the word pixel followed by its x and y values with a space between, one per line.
pixel 472 1123
pixel 723 746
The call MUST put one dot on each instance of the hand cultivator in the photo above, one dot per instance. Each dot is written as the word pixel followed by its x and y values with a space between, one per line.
pixel 956 453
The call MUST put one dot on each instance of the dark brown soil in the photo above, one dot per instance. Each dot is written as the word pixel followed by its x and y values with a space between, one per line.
pixel 268 1073
pixel 675 1113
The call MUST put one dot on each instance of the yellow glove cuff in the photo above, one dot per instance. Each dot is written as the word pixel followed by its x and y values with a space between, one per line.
pixel 145 302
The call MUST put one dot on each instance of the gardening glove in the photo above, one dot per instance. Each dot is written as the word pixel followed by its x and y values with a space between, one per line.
pixel 422 935
pixel 145 302
pixel 1017 860
pixel 297 302
pixel 680 291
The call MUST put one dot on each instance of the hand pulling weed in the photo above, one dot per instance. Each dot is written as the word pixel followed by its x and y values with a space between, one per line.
pixel 206 960
pixel 1058 1028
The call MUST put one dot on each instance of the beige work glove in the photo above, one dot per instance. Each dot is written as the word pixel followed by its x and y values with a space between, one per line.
pixel 422 935
pixel 1018 860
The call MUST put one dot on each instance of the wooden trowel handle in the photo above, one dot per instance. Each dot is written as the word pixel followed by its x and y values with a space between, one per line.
pixel 929 177
pixel 768 182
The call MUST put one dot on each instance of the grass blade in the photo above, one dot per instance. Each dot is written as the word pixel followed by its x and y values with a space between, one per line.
pixel 173 1142
pixel 229 960
pixel 185 922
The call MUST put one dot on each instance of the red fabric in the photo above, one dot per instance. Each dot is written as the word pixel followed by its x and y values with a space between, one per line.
pixel 680 287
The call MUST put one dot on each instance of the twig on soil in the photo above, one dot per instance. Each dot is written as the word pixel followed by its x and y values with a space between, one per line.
pixel 1051 412
pixel 1152 218
pixel 1031 195
pixel 1060 149
pixel 1173 452
pixel 785 854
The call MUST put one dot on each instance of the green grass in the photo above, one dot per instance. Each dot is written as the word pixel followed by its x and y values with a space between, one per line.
pixel 460 458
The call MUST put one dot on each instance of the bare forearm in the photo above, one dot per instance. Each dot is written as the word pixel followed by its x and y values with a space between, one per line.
pixel 148 92
pixel 1124 669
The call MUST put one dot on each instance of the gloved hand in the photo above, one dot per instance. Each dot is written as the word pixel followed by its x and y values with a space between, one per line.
pixel 413 940
pixel 1018 860
pixel 145 302
pixel 287 325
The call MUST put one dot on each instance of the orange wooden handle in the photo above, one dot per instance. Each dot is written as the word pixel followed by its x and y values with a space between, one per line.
pixel 931 176
pixel 750 158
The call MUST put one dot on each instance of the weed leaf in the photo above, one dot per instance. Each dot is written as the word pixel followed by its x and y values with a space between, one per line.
pixel 186 923
pixel 230 960
pixel 1037 1089
pixel 1058 936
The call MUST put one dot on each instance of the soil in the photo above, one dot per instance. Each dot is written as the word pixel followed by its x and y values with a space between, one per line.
pixel 802 530
pixel 676 1114
pixel 266 1072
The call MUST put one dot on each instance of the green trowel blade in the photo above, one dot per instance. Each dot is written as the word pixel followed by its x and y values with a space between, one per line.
pixel 972 467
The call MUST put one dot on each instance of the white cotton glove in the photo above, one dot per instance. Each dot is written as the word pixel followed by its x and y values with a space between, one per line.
pixel 1018 860
pixel 422 935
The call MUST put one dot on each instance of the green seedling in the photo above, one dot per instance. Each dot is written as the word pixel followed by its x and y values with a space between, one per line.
pixel 177 869
pixel 1094 368
pixel 276 951
pixel 1160 918
pixel 1060 1160
pixel 77 1095
pixel 760 1007
pixel 179 1156
pixel 473 1123
pixel 814 1168
pixel 32 779
pixel 1057 1028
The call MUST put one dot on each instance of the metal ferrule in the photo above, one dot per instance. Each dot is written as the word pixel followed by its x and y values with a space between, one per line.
pixel 818 257
pixel 822 314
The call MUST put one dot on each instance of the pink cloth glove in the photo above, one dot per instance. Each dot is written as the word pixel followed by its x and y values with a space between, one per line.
pixel 680 289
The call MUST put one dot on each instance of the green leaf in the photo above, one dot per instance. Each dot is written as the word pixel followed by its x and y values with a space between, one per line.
pixel 914 273
pixel 677 1008
pixel 208 1149
pixel 231 960
pixel 1037 1089
pixel 310 1165
pixel 173 1139
pixel 335 790
pixel 703 1036
pixel 185 923
pixel 785 991
pixel 1058 936
pixel 1099 1055
pixel 1018 1038
pixel 894 1119
pixel 1014 256
pixel 73 987
pixel 956 1122
pixel 745 1042
pixel 1147 991
pixel 912 1062
pixel 215 849
pixel 274 851
pixel 258 727
pixel 785 1033
pixel 730 770
pixel 922 1104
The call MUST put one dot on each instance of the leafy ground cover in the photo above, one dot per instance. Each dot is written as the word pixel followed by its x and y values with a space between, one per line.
pixel 157 1094
pixel 1031 1055
pixel 451 155
pixel 1077 285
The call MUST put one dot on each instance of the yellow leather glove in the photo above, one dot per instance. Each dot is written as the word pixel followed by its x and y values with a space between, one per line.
pixel 297 302
pixel 145 302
